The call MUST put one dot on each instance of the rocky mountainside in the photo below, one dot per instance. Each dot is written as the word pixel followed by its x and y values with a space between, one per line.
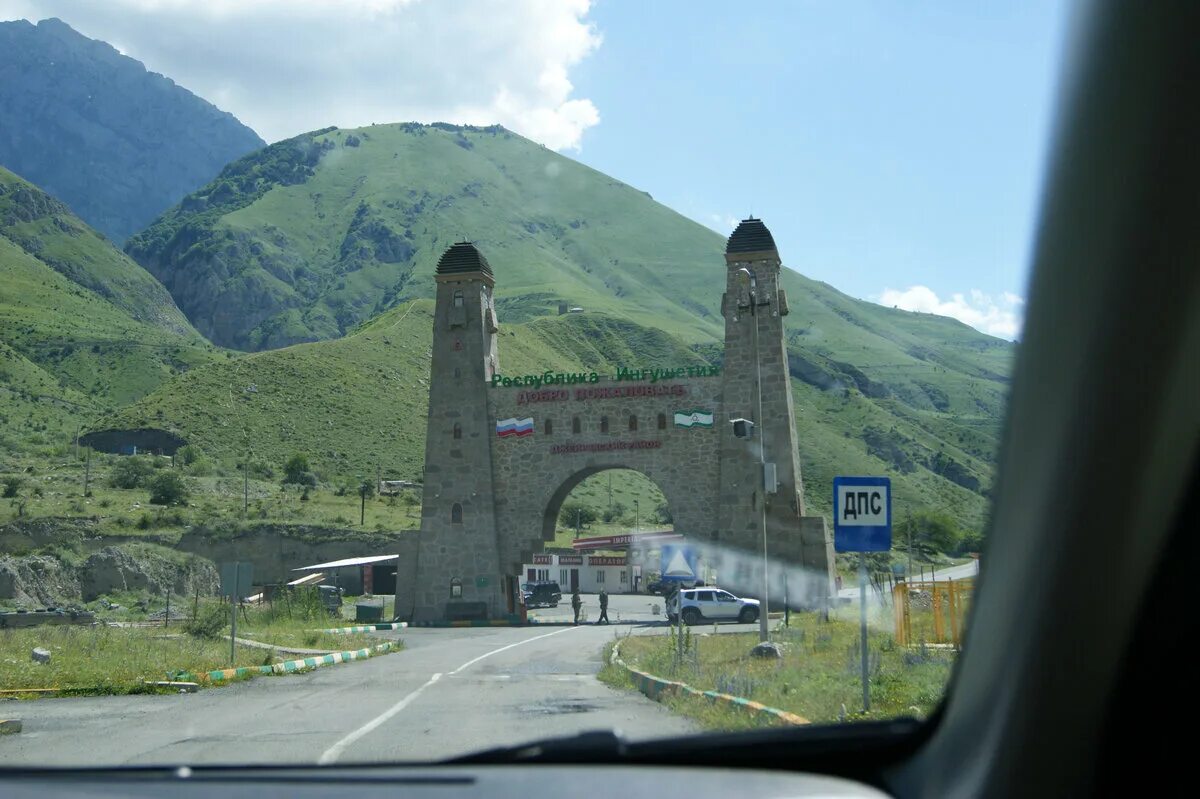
pixel 92 127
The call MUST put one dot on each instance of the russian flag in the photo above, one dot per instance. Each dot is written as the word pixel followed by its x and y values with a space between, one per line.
pixel 514 427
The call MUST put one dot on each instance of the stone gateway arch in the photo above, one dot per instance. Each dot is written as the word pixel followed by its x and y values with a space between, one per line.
pixel 503 451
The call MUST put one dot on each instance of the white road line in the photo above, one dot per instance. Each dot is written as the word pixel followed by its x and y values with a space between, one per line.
pixel 334 752
pixel 331 754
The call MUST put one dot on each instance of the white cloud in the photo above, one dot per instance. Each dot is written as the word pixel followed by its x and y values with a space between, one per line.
pixel 722 223
pixel 998 317
pixel 288 66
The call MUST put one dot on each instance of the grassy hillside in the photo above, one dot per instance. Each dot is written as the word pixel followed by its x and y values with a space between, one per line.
pixel 358 404
pixel 83 329
pixel 309 237
pixel 46 229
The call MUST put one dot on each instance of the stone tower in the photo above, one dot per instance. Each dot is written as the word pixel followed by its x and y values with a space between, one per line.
pixel 458 557
pixel 792 537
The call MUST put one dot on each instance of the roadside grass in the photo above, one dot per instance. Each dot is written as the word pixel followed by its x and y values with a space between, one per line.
pixel 119 660
pixel 817 678
pixel 294 623
pixel 111 660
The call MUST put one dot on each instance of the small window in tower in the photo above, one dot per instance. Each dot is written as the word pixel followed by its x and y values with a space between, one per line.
pixel 662 421
pixel 458 299
pixel 633 423
pixel 549 427
pixel 603 424
pixel 576 426
pixel 457 431
pixel 456 513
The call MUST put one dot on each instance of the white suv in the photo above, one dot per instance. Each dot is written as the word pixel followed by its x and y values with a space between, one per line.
pixel 712 604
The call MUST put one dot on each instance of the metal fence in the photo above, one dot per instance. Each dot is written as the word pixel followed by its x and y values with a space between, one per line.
pixel 943 603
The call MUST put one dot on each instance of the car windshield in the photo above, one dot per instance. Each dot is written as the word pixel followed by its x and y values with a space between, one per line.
pixel 379 380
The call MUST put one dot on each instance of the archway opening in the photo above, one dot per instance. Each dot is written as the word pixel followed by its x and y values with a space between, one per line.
pixel 590 505
pixel 606 500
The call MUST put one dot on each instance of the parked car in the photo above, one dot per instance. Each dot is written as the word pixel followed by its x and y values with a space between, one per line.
pixel 711 604
pixel 542 594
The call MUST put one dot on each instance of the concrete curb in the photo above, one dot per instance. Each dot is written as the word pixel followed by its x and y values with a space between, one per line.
pixel 656 688
pixel 364 628
pixel 290 666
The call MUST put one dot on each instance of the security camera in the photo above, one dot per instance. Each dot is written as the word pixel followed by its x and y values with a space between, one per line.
pixel 742 428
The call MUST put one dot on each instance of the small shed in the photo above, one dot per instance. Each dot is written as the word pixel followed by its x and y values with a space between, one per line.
pixel 369 574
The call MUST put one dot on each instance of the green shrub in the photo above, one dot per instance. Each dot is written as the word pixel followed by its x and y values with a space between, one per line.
pixel 296 469
pixel 131 472
pixel 168 488
pixel 212 619
pixel 187 455
pixel 12 485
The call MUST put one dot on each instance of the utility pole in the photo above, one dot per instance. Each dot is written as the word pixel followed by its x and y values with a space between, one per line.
pixel 245 486
pixel 87 471
pixel 577 512
pixel 362 516
pixel 636 518
pixel 908 528
pixel 748 277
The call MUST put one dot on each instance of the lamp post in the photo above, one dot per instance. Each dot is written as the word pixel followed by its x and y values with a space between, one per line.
pixel 636 518
pixel 750 282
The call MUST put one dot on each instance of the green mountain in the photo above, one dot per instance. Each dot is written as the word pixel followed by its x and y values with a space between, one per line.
pixel 312 236
pixel 82 328
pixel 357 405
pixel 92 127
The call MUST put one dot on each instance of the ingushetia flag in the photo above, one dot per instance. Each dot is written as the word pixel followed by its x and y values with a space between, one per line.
pixel 693 418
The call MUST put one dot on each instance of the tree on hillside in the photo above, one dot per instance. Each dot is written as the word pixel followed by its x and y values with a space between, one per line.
pixel 930 532
pixel 613 512
pixel 663 514
pixel 296 470
pixel 575 513
pixel 131 471
pixel 189 454
pixel 168 488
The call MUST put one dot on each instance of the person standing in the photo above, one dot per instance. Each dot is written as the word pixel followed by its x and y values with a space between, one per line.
pixel 576 602
pixel 603 607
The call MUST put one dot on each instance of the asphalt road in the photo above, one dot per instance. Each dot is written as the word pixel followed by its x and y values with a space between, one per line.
pixel 450 692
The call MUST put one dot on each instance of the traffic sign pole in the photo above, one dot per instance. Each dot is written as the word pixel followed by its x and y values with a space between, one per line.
pixel 862 601
pixel 862 523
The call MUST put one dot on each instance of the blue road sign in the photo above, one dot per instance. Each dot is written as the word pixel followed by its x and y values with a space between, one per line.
pixel 862 514
pixel 679 563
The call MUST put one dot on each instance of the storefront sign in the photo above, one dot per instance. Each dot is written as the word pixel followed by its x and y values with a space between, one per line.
pixel 606 560
pixel 543 560
pixel 570 560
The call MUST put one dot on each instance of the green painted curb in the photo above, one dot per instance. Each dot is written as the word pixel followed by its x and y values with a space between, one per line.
pixel 291 666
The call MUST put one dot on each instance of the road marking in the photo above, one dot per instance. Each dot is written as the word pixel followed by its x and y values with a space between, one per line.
pixel 331 754
pixel 473 661
pixel 334 752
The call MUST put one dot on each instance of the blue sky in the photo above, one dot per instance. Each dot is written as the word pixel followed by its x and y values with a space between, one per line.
pixel 886 145
pixel 894 149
